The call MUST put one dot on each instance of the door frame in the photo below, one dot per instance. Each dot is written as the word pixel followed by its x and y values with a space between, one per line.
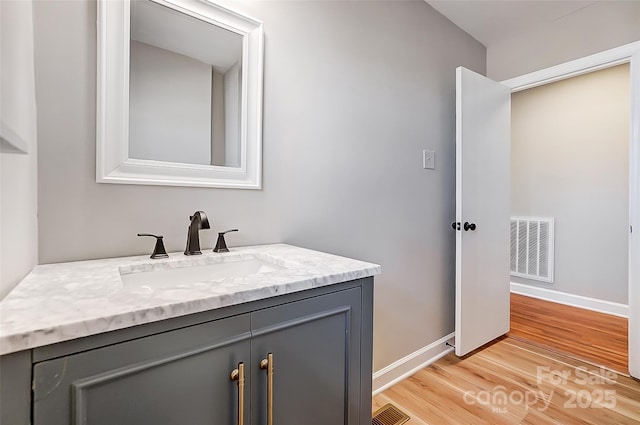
pixel 628 53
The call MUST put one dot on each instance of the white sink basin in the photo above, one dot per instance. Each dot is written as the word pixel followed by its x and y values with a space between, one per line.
pixel 164 276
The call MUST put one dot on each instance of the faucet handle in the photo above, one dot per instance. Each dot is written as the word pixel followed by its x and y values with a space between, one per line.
pixel 158 250
pixel 221 244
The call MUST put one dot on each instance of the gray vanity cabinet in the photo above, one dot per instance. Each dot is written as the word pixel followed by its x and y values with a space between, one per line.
pixel 320 369
pixel 177 377
pixel 315 348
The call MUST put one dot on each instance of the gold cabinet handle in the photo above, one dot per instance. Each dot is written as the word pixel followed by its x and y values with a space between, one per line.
pixel 268 365
pixel 238 375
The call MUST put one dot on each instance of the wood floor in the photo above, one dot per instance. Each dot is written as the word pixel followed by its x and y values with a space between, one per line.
pixel 597 338
pixel 514 382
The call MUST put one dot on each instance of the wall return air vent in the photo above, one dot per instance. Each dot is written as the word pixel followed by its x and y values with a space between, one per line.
pixel 532 248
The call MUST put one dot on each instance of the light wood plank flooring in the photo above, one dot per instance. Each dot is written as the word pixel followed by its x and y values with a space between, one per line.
pixel 587 335
pixel 514 382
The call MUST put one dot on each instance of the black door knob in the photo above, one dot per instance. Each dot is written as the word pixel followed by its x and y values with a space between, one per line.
pixel 455 225
pixel 469 226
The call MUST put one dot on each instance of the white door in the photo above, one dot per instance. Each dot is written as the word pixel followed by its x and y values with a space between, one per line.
pixel 483 171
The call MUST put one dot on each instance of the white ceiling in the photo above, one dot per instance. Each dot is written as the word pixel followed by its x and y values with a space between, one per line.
pixel 490 21
pixel 168 29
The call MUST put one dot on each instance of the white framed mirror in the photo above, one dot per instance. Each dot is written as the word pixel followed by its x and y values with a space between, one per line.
pixel 179 94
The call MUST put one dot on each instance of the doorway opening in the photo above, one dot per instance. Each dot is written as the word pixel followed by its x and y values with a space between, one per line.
pixel 571 156
pixel 483 138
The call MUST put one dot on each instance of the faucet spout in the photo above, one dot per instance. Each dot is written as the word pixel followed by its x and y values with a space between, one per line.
pixel 199 221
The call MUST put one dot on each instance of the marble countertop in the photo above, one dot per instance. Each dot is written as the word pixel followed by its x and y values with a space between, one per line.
pixel 64 301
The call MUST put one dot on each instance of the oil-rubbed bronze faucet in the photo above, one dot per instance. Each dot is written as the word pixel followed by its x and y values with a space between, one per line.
pixel 158 251
pixel 221 245
pixel 199 221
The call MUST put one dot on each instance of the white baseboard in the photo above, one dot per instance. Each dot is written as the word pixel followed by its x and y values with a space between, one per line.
pixel 607 307
pixel 408 365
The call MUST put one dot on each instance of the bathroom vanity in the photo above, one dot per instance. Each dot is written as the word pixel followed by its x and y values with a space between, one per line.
pixel 277 334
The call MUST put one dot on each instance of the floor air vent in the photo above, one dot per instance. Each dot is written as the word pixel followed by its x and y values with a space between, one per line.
pixel 389 415
pixel 532 248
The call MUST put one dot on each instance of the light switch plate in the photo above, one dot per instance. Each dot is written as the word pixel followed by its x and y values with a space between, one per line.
pixel 428 159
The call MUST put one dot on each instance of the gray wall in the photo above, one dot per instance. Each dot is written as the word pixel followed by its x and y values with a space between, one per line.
pixel 600 26
pixel 353 92
pixel 570 160
pixel 169 106
pixel 217 118
pixel 232 113
pixel 18 171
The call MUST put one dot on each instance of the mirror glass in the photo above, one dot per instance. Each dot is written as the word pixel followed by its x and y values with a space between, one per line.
pixel 179 94
pixel 185 78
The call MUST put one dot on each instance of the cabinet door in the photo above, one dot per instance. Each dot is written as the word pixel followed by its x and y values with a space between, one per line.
pixel 174 378
pixel 315 344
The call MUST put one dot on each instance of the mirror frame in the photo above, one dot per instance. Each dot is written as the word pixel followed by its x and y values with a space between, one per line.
pixel 113 164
